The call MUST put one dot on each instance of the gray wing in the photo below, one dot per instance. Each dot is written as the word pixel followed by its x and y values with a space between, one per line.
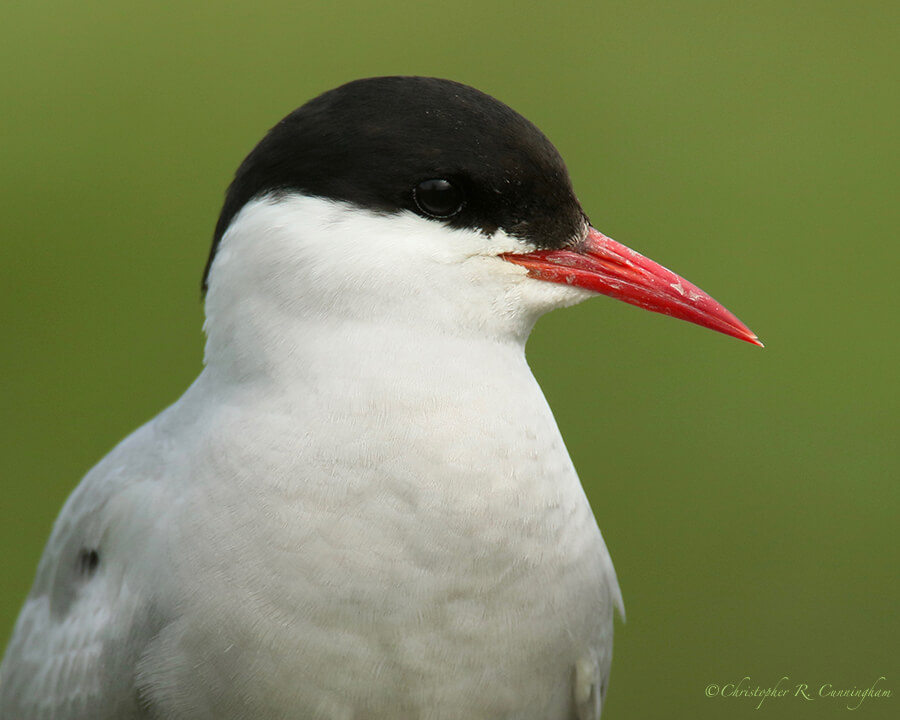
pixel 77 644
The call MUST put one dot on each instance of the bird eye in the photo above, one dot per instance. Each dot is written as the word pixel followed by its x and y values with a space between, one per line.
pixel 438 198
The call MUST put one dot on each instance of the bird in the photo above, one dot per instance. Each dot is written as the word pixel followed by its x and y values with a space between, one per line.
pixel 362 508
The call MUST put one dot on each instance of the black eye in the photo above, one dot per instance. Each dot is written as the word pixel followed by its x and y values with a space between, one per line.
pixel 438 198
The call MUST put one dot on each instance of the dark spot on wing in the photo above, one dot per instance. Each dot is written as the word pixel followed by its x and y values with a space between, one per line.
pixel 88 560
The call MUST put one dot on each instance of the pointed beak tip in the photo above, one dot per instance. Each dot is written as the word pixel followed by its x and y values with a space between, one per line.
pixel 756 341
pixel 745 334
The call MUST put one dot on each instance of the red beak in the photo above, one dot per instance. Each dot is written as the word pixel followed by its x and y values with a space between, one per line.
pixel 604 266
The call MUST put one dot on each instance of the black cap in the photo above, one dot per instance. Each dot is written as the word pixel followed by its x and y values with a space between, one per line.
pixel 373 142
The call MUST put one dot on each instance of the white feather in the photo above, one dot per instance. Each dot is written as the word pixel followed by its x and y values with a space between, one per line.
pixel 362 508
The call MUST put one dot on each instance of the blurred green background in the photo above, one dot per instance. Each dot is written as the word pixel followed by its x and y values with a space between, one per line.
pixel 749 497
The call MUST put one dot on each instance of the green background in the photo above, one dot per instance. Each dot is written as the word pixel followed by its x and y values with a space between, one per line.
pixel 749 497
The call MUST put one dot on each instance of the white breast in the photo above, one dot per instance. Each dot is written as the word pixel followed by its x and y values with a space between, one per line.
pixel 420 551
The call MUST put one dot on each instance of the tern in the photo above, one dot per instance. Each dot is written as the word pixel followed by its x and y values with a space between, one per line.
pixel 362 509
